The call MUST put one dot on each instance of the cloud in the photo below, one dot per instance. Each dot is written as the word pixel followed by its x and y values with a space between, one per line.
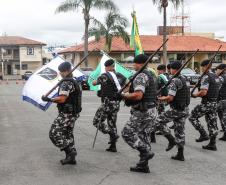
pixel 37 19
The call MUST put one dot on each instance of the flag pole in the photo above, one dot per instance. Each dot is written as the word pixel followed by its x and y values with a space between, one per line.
pixel 83 59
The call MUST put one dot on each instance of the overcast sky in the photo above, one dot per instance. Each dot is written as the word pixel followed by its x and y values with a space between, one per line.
pixel 35 19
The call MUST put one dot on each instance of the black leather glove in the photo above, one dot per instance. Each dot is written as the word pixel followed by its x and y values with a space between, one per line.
pixel 44 98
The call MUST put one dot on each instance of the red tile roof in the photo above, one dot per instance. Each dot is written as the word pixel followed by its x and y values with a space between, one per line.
pixel 15 40
pixel 150 43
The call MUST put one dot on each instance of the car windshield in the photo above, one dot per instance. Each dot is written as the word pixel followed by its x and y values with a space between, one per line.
pixel 187 71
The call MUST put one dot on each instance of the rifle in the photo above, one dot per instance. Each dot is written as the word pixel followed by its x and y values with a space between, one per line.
pixel 204 73
pixel 83 59
pixel 142 68
pixel 222 72
pixel 178 72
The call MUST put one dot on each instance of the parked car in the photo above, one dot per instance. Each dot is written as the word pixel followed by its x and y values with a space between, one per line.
pixel 26 75
pixel 84 82
pixel 190 75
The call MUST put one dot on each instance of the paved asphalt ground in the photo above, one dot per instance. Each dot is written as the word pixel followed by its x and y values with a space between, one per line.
pixel 27 157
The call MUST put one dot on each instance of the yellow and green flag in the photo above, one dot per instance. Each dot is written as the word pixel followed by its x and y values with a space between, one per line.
pixel 134 37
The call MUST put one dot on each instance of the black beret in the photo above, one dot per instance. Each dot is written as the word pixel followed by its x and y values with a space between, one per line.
pixel 109 62
pixel 205 62
pixel 175 65
pixel 140 59
pixel 221 66
pixel 168 66
pixel 65 66
pixel 161 67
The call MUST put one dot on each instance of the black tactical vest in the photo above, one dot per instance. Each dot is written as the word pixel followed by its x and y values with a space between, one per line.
pixel 222 92
pixel 73 103
pixel 149 97
pixel 182 98
pixel 109 88
pixel 213 91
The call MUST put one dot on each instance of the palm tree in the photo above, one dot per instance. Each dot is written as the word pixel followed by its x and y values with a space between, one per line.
pixel 85 6
pixel 114 25
pixel 162 4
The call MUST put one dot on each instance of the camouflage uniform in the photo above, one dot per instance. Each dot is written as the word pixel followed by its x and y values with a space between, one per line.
pixel 221 109
pixel 107 111
pixel 177 116
pixel 209 109
pixel 61 131
pixel 137 131
pixel 164 92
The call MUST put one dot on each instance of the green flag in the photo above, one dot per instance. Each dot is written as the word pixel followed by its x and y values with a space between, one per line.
pixel 135 37
pixel 101 69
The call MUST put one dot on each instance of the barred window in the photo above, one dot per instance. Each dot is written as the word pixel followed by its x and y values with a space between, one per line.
pixel 30 51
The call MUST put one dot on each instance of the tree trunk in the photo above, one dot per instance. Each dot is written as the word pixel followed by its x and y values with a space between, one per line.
pixel 164 37
pixel 86 36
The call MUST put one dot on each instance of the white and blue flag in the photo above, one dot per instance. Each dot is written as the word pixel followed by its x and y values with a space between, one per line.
pixel 42 81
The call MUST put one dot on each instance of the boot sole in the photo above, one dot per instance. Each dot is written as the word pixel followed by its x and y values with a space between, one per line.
pixel 221 139
pixel 140 170
pixel 201 140
pixel 212 149
pixel 174 158
pixel 70 163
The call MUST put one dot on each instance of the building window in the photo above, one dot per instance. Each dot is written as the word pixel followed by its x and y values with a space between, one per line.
pixel 218 58
pixel 24 67
pixel 30 51
pixel 8 52
pixel 17 66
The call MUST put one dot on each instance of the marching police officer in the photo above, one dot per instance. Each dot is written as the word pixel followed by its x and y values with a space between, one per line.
pixel 179 99
pixel 69 106
pixel 142 99
pixel 111 83
pixel 222 98
pixel 162 80
pixel 208 91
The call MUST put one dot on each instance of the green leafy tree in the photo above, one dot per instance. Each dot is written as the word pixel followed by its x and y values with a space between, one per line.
pixel 114 25
pixel 162 5
pixel 85 6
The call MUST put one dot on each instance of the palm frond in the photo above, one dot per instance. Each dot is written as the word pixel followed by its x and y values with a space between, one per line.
pixel 68 5
pixel 105 4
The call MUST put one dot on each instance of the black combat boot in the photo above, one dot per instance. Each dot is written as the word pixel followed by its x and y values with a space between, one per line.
pixel 112 147
pixel 142 166
pixel 223 138
pixel 171 140
pixel 153 139
pixel 203 136
pixel 70 156
pixel 180 155
pixel 212 144
pixel 113 138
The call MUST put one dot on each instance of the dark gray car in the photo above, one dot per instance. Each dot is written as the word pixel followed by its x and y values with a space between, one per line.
pixel 190 75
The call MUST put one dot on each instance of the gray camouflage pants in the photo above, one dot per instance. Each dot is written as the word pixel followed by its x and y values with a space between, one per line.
pixel 137 131
pixel 107 111
pixel 208 109
pixel 178 118
pixel 61 131
pixel 221 109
